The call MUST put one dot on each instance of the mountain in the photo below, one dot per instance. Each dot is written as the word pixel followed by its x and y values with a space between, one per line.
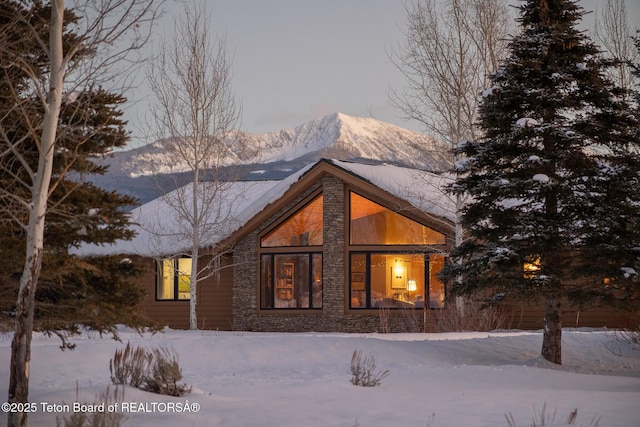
pixel 274 155
pixel 344 137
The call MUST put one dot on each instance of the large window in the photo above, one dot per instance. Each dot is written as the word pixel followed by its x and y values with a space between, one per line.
pixel 173 279
pixel 304 228
pixel 373 224
pixel 391 264
pixel 291 260
pixel 291 281
pixel 396 280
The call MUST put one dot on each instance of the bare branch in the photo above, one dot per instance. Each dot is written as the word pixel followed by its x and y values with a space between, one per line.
pixel 195 115
pixel 450 51
pixel 446 60
pixel 613 32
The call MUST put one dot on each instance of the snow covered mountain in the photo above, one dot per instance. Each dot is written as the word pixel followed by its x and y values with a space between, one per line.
pixel 276 154
pixel 344 137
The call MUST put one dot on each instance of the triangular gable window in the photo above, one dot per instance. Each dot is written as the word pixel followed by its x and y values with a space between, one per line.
pixel 373 224
pixel 304 228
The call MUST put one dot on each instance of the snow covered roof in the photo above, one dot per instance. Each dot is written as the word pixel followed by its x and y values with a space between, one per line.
pixel 161 230
pixel 423 190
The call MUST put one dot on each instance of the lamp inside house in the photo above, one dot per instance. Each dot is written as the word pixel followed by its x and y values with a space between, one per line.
pixel 412 286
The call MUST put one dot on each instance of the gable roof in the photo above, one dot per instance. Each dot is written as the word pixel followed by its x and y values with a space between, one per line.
pixel 423 190
pixel 243 205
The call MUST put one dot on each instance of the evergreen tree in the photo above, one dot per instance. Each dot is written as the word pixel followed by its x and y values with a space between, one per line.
pixel 98 293
pixel 554 180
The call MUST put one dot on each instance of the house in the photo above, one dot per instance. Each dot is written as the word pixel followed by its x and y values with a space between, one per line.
pixel 336 246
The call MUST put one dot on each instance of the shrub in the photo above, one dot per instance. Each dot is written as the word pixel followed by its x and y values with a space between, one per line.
pixel 542 418
pixel 624 342
pixel 130 366
pixel 404 320
pixel 472 316
pixel 99 418
pixel 383 315
pixel 156 370
pixel 164 374
pixel 363 371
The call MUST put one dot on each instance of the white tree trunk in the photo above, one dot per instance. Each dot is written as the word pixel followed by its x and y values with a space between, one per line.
pixel 195 249
pixel 193 302
pixel 21 344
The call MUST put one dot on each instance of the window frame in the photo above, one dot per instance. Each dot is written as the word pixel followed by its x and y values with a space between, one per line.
pixel 367 283
pixel 273 251
pixel 426 250
pixel 307 201
pixel 348 220
pixel 270 305
pixel 176 278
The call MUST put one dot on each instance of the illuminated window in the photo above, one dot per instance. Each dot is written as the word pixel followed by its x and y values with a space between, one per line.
pixel 531 267
pixel 396 280
pixel 293 280
pixel 385 276
pixel 173 279
pixel 373 224
pixel 304 228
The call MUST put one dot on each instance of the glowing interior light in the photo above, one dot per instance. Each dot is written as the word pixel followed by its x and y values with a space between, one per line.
pixel 397 271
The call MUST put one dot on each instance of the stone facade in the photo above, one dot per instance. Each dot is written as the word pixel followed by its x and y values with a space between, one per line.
pixel 334 315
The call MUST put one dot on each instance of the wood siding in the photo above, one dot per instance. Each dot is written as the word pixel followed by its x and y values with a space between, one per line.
pixel 531 317
pixel 214 301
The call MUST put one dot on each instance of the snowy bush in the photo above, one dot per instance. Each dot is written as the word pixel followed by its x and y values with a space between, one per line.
pixel 156 370
pixel 130 366
pixel 164 374
pixel 363 371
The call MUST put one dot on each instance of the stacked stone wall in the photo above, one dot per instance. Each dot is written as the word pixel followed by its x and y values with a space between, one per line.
pixel 333 316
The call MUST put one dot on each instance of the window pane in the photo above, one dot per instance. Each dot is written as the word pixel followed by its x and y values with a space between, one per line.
pixel 397 280
pixel 164 283
pixel 317 280
pixel 358 281
pixel 184 278
pixel 436 287
pixel 304 228
pixel 373 224
pixel 291 281
pixel 266 281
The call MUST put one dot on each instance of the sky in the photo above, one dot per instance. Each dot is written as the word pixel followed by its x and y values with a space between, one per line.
pixel 297 60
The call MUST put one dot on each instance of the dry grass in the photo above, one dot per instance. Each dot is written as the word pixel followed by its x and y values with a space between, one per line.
pixel 100 418
pixel 626 342
pixel 472 316
pixel 543 418
pixel 363 371
pixel 164 374
pixel 130 366
pixel 156 370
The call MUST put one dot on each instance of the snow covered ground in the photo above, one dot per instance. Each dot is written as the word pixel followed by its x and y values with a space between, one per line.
pixel 302 379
